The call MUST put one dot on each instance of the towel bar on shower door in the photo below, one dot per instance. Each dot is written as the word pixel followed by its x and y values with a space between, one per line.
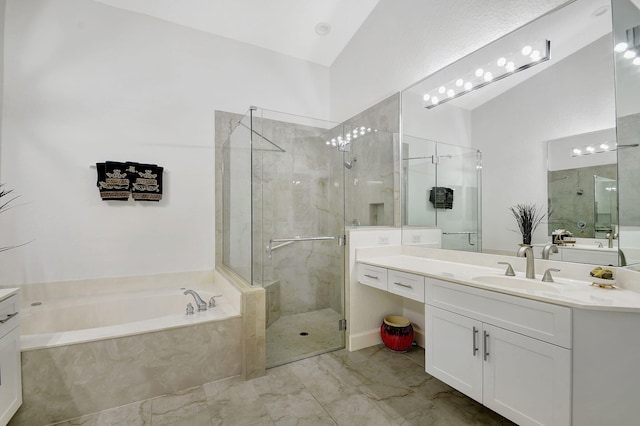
pixel 469 233
pixel 287 241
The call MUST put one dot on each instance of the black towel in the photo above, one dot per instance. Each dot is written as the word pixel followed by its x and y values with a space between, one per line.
pixel 113 181
pixel 441 198
pixel 146 181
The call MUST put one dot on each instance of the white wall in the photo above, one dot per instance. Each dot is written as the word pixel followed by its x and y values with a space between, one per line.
pixel 404 41
pixel 85 82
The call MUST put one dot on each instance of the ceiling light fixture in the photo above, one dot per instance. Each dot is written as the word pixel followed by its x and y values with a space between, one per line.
pixel 323 28
pixel 497 69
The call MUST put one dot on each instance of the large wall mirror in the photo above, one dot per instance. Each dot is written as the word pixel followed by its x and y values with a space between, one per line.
pixel 626 23
pixel 517 101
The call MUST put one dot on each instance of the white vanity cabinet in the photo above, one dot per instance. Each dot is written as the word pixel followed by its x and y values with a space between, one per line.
pixel 10 369
pixel 510 354
pixel 373 276
pixel 406 285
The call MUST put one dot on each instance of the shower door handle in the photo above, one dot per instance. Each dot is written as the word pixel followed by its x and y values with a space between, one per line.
pixel 296 239
pixel 287 241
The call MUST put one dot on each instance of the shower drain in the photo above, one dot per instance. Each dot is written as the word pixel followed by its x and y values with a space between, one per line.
pixel 304 333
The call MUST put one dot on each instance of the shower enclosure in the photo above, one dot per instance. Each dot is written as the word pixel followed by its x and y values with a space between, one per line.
pixel 284 222
pixel 441 188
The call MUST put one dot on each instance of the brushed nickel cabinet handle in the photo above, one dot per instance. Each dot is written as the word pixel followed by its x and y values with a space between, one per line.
pixel 475 342
pixel 486 345
pixel 402 285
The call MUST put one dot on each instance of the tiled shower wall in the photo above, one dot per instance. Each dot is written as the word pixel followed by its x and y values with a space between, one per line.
pixel 299 192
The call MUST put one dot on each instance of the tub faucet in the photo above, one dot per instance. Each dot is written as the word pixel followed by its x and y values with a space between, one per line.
pixel 549 248
pixel 202 305
pixel 527 251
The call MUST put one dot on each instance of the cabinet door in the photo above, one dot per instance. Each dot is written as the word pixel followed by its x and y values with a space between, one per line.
pixel 526 380
pixel 454 350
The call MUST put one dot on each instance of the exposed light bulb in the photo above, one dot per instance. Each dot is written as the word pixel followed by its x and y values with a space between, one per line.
pixel 636 61
pixel 328 143
pixel 479 72
pixel 451 93
pixel 442 89
pixel 526 51
pixel 501 62
pixel 577 151
pixel 630 54
pixel 426 97
pixel 510 66
pixel 535 55
pixel 468 85
pixel 604 146
pixel 621 47
pixel 590 149
pixel 435 100
pixel 459 82
pixel 488 76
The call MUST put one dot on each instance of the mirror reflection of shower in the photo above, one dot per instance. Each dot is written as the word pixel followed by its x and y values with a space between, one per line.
pixel 342 143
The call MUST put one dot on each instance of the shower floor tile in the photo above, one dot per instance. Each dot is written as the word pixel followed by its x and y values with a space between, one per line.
pixel 299 336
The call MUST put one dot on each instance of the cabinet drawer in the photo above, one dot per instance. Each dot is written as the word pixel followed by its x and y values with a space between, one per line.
pixel 407 285
pixel 9 317
pixel 543 321
pixel 373 276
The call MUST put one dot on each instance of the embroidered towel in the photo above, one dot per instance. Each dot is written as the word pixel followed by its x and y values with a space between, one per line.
pixel 146 181
pixel 113 181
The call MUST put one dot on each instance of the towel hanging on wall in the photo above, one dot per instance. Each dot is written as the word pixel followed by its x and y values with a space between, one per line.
pixel 113 181
pixel 146 181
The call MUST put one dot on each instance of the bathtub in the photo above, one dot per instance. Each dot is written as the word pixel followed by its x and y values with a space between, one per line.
pixel 89 346
pixel 71 320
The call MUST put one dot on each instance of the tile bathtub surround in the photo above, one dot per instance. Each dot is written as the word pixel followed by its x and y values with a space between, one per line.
pixel 369 387
pixel 65 382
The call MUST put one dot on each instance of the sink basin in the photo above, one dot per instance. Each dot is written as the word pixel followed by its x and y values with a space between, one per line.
pixel 515 282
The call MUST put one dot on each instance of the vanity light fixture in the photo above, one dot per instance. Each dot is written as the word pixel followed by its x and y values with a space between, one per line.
pixel 593 149
pixel 629 48
pixel 498 69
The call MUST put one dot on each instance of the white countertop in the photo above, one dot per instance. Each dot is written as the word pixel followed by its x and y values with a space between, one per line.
pixel 7 292
pixel 565 291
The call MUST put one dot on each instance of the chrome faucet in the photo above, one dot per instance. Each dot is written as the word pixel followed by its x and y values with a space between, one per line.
pixel 202 305
pixel 612 236
pixel 527 251
pixel 549 248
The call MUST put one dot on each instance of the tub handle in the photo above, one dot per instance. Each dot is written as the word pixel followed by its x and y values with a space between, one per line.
pixel 189 309
pixel 212 301
pixel 9 316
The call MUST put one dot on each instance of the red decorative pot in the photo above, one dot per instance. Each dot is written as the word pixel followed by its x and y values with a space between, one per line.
pixel 397 333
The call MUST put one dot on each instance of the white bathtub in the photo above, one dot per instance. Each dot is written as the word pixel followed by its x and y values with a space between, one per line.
pixel 70 320
pixel 97 344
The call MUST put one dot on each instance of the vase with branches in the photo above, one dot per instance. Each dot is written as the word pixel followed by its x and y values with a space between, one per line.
pixel 6 198
pixel 528 217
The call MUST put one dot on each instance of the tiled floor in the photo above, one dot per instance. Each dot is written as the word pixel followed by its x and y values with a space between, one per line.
pixel 369 387
pixel 285 342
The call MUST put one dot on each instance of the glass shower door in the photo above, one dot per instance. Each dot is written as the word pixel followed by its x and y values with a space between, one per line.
pixel 299 226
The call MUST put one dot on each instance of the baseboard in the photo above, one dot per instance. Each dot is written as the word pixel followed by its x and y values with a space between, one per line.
pixel 364 339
